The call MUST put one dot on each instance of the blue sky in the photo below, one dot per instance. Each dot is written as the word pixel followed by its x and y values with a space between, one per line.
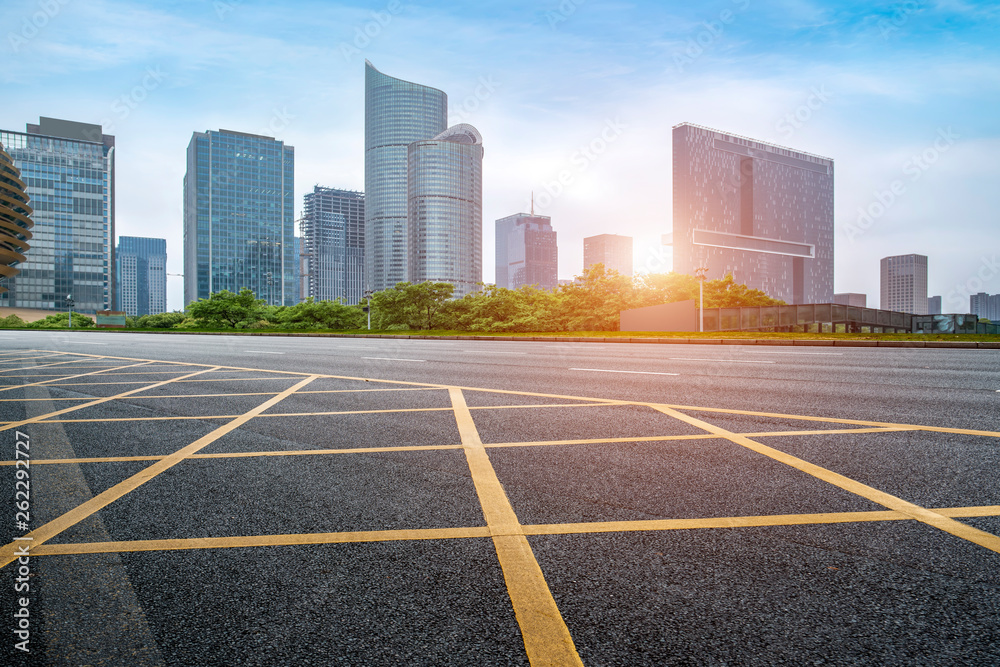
pixel 903 96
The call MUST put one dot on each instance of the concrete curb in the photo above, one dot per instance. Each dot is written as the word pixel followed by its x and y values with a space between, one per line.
pixel 829 342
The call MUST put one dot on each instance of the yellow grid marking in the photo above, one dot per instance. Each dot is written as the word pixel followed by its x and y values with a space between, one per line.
pixel 483 531
pixel 547 640
pixel 51 529
pixel 49 383
pixel 948 525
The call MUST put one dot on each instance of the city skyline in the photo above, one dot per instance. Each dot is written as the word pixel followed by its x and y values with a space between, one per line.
pixel 580 112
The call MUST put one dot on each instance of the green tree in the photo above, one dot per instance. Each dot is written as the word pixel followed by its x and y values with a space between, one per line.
pixel 12 321
pixel 595 300
pixel 160 320
pixel 311 314
pixel 414 306
pixel 227 310
pixel 61 321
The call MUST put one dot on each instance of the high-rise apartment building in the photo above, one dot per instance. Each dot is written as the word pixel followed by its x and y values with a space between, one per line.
pixel 761 212
pixel 141 265
pixel 15 220
pixel 526 252
pixel 904 284
pixel 68 169
pixel 445 212
pixel 239 216
pixel 333 241
pixel 985 305
pixel 851 299
pixel 612 250
pixel 397 113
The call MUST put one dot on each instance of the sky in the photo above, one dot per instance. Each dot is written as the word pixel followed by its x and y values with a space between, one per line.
pixel 903 96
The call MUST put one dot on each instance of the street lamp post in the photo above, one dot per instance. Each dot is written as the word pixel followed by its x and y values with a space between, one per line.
pixel 700 274
pixel 368 307
pixel 69 304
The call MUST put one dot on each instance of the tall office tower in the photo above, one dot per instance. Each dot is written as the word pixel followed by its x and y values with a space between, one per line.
pixel 934 305
pixel 69 171
pixel 15 220
pixel 526 252
pixel 297 268
pixel 397 113
pixel 904 284
pixel 333 239
pixel 141 266
pixel 445 210
pixel 611 250
pixel 985 305
pixel 239 216
pixel 761 212
pixel 851 299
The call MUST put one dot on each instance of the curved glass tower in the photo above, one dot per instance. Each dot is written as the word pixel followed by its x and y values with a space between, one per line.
pixel 397 113
pixel 445 177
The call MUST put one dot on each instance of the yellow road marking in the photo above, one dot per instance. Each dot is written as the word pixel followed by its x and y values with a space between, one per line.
pixel 98 401
pixel 831 431
pixel 52 528
pixel 547 640
pixel 75 548
pixel 259 541
pixel 8 360
pixel 49 383
pixel 948 525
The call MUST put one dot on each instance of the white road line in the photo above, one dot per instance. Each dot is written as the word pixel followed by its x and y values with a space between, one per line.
pixel 82 342
pixel 392 359
pixel 605 370
pixel 735 361
pixel 489 352
pixel 262 352
pixel 832 354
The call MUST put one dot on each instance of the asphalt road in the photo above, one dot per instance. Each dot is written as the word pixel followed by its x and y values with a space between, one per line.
pixel 683 504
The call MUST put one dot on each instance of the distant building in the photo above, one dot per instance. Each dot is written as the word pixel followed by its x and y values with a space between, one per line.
pixel 445 209
pixel 68 169
pixel 904 284
pixel 985 306
pixel 934 305
pixel 297 267
pixel 851 299
pixel 611 250
pixel 763 213
pixel 526 252
pixel 142 275
pixel 333 242
pixel 239 216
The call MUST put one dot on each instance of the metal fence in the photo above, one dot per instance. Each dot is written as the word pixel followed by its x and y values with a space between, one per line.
pixel 837 318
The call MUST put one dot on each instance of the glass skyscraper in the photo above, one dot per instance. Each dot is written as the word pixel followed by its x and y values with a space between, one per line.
pixel 397 113
pixel 239 216
pixel 761 212
pixel 69 172
pixel 333 241
pixel 445 215
pixel 142 275
pixel 526 252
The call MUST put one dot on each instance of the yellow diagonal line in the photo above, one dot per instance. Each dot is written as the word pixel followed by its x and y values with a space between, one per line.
pixel 948 525
pixel 97 401
pixel 51 383
pixel 55 363
pixel 547 640
pixel 51 529
pixel 42 356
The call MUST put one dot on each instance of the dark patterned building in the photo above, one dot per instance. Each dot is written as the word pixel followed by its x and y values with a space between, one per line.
pixel 761 212
pixel 526 252
pixel 333 244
